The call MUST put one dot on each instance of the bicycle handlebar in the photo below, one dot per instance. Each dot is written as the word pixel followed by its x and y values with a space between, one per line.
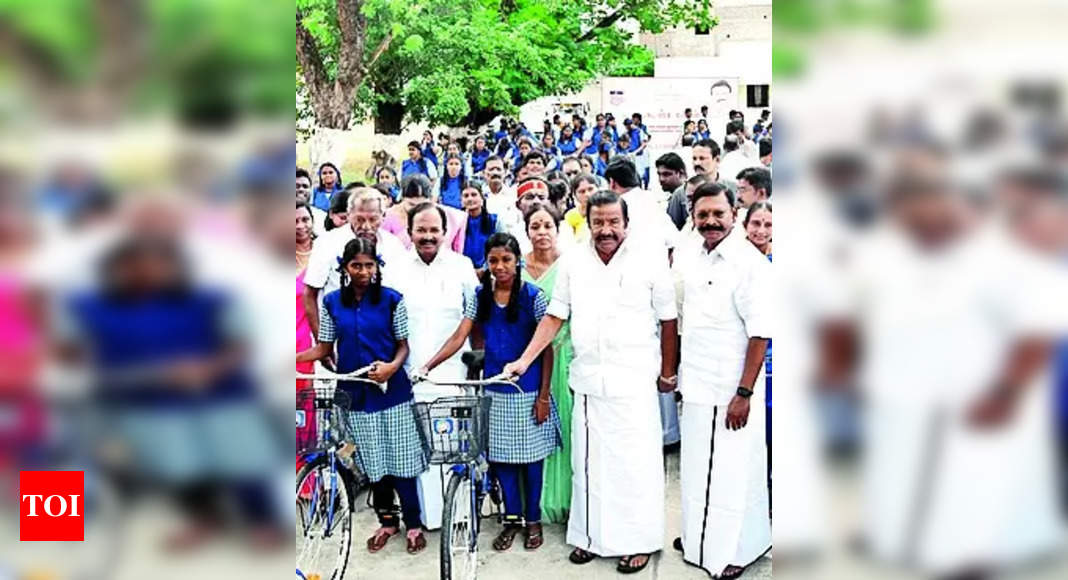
pixel 356 376
pixel 501 379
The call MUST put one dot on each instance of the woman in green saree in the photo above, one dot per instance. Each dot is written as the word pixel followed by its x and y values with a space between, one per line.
pixel 540 268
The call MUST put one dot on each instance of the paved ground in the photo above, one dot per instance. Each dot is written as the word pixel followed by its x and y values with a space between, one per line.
pixel 550 561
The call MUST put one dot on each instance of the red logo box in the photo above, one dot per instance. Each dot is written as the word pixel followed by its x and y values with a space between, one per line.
pixel 51 506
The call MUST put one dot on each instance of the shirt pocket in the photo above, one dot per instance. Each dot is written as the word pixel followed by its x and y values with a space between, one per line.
pixel 709 302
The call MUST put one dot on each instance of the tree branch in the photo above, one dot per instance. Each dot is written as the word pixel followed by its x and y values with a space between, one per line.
pixel 604 23
pixel 382 47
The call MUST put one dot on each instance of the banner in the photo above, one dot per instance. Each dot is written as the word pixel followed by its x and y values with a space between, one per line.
pixel 662 101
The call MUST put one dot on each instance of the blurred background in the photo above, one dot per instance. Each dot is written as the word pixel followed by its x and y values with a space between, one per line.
pixel 145 148
pixel 921 422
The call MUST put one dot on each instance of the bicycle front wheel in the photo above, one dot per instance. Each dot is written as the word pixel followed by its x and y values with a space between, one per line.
pixel 459 530
pixel 325 504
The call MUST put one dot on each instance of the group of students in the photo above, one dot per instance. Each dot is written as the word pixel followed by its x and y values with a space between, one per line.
pixel 519 276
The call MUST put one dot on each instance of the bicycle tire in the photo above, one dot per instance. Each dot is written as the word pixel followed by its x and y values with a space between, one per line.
pixel 347 496
pixel 458 504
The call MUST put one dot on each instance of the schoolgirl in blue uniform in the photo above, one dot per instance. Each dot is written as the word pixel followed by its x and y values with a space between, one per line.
pixel 480 224
pixel 329 184
pixel 452 181
pixel 568 142
pixel 479 155
pixel 368 324
pixel 524 426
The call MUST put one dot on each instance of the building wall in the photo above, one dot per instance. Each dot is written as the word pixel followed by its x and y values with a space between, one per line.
pixel 740 21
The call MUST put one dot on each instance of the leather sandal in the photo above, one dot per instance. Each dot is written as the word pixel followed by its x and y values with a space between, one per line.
pixel 535 537
pixel 580 556
pixel 504 540
pixel 379 540
pixel 625 567
pixel 416 544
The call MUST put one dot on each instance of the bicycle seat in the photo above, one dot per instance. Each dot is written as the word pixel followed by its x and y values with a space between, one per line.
pixel 475 361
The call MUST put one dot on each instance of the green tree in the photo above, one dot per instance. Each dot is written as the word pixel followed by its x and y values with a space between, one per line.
pixel 457 62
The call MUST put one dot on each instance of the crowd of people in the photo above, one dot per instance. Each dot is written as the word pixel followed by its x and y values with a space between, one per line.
pixel 608 301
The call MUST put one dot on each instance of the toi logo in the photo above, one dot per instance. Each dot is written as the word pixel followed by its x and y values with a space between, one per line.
pixel 51 506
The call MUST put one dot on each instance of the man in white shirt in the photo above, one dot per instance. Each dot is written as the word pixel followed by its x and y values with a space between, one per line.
pixel 437 284
pixel 651 225
pixel 499 197
pixel 723 462
pixel 621 303
pixel 754 184
pixel 734 158
pixel 365 212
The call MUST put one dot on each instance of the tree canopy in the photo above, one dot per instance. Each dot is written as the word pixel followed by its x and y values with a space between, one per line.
pixel 456 62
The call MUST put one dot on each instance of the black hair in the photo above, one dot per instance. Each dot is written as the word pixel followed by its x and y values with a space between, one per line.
pixel 301 172
pixel 698 180
pixel 416 145
pixel 495 158
pixel 559 187
pixel 590 160
pixel 392 172
pixel 444 181
pixel 753 209
pixel 531 156
pixel 485 295
pixel 688 110
pixel 485 223
pixel 704 108
pixel 354 185
pixel 638 115
pixel 758 177
pixel 672 161
pixel 359 247
pixel 765 113
pixel 622 170
pixel 710 144
pixel 765 147
pixel 711 189
pixel 338 204
pixel 687 141
pixel 426 206
pixel 383 189
pixel 730 143
pixel 416 185
pixel 538 206
pixel 606 197
pixel 337 182
pixel 734 127
pixel 305 206
pixel 583 178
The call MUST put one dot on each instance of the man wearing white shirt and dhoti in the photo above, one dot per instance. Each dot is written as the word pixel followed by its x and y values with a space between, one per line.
pixel 365 213
pixel 650 226
pixel 437 284
pixel 723 461
pixel 621 303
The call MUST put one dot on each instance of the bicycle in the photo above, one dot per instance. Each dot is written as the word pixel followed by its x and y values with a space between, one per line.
pixel 456 430
pixel 329 480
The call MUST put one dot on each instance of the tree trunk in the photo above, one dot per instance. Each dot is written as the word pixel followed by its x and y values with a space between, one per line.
pixel 389 118
pixel 327 145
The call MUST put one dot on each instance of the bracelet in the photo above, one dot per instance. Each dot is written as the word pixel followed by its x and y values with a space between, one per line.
pixel 744 392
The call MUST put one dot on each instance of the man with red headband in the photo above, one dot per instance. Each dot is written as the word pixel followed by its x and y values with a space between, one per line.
pixel 530 191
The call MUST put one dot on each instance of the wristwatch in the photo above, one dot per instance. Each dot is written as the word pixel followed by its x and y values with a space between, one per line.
pixel 744 392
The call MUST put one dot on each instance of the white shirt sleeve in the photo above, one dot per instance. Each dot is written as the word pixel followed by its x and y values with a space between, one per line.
pixel 432 170
pixel 664 291
pixel 753 301
pixel 323 259
pixel 560 305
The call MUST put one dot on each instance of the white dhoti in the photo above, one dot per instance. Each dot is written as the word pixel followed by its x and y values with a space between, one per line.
pixel 432 482
pixel 725 519
pixel 942 496
pixel 617 491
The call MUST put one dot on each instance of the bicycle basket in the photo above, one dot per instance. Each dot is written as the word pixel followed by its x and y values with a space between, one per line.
pixel 456 429
pixel 317 407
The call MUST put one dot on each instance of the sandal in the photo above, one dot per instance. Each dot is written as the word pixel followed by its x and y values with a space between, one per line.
pixel 504 539
pixel 580 556
pixel 416 543
pixel 731 572
pixel 535 537
pixel 381 536
pixel 625 567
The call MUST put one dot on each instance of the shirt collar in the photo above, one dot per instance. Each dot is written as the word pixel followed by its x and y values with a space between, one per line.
pixel 728 248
